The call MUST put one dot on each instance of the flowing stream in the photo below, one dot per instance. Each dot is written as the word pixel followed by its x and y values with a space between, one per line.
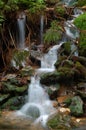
pixel 21 30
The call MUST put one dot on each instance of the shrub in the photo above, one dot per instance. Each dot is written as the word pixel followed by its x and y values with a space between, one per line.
pixel 80 22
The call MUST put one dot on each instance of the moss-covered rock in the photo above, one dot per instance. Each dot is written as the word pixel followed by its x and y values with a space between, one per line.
pixel 76 106
pixel 3 98
pixel 14 103
pixel 13 89
pixel 60 122
pixel 50 78
pixel 81 69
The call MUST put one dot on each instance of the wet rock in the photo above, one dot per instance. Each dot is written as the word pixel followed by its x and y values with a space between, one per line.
pixel 76 106
pixel 12 89
pixel 14 103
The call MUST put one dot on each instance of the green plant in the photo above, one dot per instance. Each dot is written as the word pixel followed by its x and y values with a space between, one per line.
pixel 80 22
pixel 20 56
pixel 81 2
pixel 53 34
pixel 82 45
pixel 60 10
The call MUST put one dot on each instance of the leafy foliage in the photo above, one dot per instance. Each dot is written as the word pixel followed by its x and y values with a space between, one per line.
pixel 80 22
pixel 20 56
pixel 81 2
pixel 53 34
pixel 82 44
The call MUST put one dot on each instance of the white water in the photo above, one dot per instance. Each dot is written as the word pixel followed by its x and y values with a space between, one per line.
pixel 39 107
pixel 49 59
pixel 21 29
pixel 41 28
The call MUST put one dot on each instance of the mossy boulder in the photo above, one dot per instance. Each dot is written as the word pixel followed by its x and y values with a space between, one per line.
pixel 60 122
pixel 14 103
pixel 67 74
pixel 81 70
pixel 3 98
pixel 13 89
pixel 76 106
pixel 50 78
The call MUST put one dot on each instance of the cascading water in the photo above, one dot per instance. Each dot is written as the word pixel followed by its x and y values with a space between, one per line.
pixel 48 60
pixel 39 107
pixel 41 28
pixel 21 30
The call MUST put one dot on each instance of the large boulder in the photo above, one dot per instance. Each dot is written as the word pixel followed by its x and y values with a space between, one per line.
pixel 50 78
pixel 76 106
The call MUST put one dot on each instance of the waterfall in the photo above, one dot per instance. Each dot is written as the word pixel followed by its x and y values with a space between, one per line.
pixel 21 30
pixel 38 106
pixel 41 28
pixel 69 2
pixel 49 59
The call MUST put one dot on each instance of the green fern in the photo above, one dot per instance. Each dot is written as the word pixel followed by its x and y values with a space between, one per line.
pixel 53 34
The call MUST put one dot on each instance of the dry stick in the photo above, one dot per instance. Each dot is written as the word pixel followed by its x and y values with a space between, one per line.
pixel 12 38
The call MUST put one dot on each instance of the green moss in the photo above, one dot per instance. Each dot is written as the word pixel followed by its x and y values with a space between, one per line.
pixel 60 122
pixel 81 3
pixel 59 10
pixel 53 34
pixel 80 22
pixel 82 44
